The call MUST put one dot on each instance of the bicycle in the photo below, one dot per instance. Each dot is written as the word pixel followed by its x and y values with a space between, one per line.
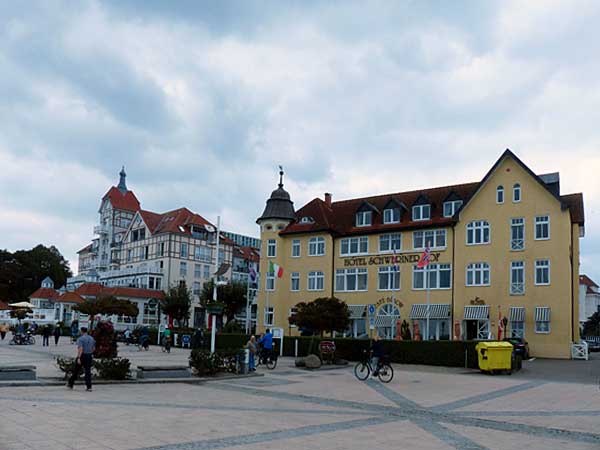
pixel 268 358
pixel 363 369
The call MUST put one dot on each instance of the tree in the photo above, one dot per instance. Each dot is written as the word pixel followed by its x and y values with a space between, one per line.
pixel 323 314
pixel 20 313
pixel 232 295
pixel 592 326
pixel 177 304
pixel 22 272
pixel 107 305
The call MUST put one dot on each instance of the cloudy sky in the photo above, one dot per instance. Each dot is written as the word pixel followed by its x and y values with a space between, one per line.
pixel 201 101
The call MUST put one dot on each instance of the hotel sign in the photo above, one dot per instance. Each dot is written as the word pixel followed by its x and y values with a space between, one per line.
pixel 387 260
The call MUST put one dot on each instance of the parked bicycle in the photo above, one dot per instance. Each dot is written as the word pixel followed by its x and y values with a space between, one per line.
pixel 22 339
pixel 383 371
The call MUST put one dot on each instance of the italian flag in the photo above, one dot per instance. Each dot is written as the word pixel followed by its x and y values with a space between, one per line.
pixel 276 269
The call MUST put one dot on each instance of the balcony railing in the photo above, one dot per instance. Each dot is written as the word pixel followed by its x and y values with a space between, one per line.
pixel 101 229
pixel 517 244
pixel 517 288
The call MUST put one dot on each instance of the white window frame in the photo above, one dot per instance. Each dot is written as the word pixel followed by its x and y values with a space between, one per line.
pixel 453 205
pixel 270 282
pixel 197 270
pixel 317 280
pixel 364 218
pixel 392 278
pixel 517 244
pixel 500 195
pixel 296 245
pixel 359 241
pixel 271 248
pixel 391 238
pixel 184 250
pixel 418 212
pixel 344 274
pixel 517 193
pixel 434 237
pixel 476 227
pixel 542 220
pixel 478 269
pixel 541 264
pixel 434 271
pixel 269 316
pixel 292 313
pixel 295 277
pixel 389 215
pixel 516 287
pixel 182 268
pixel 517 332
pixel 316 246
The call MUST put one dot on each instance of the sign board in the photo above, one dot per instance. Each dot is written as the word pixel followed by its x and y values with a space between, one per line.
pixel 185 340
pixel 371 313
pixel 278 334
pixel 371 309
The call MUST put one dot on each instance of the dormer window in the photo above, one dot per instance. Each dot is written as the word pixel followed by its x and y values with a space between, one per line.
pixel 364 218
pixel 421 212
pixel 306 219
pixel 451 207
pixel 391 215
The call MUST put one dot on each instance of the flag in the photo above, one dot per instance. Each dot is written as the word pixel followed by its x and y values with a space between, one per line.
pixel 252 274
pixel 424 261
pixel 500 324
pixel 276 269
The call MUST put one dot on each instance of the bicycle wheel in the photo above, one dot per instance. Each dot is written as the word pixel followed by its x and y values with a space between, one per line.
pixel 31 340
pixel 362 371
pixel 271 363
pixel 386 373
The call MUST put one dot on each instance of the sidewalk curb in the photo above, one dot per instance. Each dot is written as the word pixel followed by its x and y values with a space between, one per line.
pixel 44 382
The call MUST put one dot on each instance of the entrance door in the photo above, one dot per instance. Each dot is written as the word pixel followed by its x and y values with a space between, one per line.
pixel 483 329
pixel 471 329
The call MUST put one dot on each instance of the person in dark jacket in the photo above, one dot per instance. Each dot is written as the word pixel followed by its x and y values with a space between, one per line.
pixel 56 333
pixel 46 336
pixel 376 353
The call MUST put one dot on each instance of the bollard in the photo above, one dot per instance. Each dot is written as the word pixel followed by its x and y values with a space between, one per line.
pixel 295 348
pixel 175 339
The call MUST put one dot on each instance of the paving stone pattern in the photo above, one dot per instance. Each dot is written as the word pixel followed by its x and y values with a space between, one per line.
pixel 290 408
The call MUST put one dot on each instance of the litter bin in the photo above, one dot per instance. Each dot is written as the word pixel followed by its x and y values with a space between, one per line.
pixel 495 356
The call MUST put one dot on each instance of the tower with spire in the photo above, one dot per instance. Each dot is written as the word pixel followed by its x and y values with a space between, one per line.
pixel 122 187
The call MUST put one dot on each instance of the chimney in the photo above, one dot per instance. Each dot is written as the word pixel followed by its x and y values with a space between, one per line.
pixel 328 199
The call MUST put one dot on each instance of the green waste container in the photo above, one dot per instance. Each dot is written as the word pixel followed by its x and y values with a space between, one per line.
pixel 495 356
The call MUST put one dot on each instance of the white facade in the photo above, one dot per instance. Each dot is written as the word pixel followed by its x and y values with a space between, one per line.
pixel 589 301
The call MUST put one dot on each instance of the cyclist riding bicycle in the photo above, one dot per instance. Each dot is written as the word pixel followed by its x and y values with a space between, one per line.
pixel 266 342
pixel 376 353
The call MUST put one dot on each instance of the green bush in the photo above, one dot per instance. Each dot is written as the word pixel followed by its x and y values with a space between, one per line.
pixel 233 327
pixel 112 368
pixel 228 340
pixel 206 363
pixel 66 365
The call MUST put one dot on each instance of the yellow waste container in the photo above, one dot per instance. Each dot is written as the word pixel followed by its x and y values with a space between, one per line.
pixel 494 356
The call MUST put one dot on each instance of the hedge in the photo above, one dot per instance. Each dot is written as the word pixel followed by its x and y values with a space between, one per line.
pixel 432 353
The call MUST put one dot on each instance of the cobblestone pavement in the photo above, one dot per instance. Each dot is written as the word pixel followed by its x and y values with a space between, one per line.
pixel 289 408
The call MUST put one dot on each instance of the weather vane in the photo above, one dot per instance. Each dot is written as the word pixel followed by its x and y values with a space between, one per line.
pixel 280 176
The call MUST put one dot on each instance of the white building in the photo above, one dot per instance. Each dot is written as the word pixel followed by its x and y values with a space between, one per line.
pixel 589 298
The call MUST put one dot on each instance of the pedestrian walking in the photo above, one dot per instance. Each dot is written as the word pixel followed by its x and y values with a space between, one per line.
pixel 251 346
pixel 56 333
pixel 3 330
pixel 46 336
pixel 85 349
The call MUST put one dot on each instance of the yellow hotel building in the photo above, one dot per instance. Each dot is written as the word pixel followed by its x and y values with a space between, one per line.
pixel 507 246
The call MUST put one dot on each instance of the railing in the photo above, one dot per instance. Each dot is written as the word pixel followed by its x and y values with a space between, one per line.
pixel 517 244
pixel 101 229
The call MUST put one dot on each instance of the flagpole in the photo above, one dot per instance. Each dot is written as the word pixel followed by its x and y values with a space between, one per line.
pixel 248 302
pixel 213 330
pixel 428 289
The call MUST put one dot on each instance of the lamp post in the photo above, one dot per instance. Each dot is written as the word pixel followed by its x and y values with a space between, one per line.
pixel 213 330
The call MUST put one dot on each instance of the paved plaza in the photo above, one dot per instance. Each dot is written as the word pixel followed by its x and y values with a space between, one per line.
pixel 422 408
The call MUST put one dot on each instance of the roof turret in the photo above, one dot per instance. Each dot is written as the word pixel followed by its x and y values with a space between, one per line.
pixel 279 205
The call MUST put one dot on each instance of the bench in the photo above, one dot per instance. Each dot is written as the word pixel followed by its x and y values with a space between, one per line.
pixel 149 372
pixel 17 373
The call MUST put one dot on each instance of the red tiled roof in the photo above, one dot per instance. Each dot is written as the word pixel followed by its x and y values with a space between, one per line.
pixel 127 201
pixel 91 289
pixel 340 217
pixel 70 297
pixel 247 253
pixel 45 293
pixel 132 292
pixel 175 221
pixel 3 305
pixel 584 279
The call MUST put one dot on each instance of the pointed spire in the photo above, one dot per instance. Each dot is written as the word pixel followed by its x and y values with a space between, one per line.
pixel 122 185
pixel 280 176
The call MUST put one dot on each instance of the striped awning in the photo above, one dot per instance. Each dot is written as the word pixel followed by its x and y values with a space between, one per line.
pixel 386 321
pixel 542 314
pixel 478 312
pixel 357 311
pixel 436 311
pixel 517 314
